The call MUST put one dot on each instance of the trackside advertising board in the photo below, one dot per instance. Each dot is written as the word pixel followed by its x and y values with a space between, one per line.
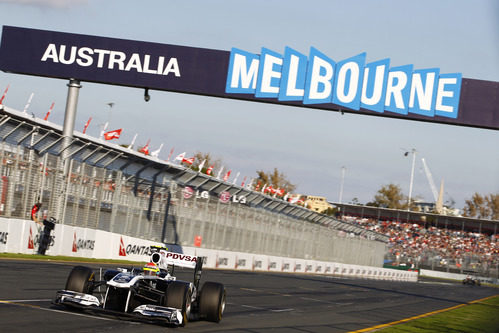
pixel 289 77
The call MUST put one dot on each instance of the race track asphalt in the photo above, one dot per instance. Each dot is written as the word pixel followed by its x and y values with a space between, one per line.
pixel 256 302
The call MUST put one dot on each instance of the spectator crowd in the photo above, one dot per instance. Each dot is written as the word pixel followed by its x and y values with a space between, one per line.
pixel 417 245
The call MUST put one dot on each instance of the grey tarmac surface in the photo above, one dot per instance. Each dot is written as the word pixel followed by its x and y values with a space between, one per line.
pixel 256 302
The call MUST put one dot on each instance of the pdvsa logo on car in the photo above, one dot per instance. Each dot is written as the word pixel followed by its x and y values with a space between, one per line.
pixel 178 256
pixel 351 83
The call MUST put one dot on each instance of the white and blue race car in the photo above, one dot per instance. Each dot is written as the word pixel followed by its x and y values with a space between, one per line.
pixel 151 293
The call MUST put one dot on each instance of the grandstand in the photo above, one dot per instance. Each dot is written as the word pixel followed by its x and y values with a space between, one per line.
pixel 108 187
pixel 465 224
pixel 429 246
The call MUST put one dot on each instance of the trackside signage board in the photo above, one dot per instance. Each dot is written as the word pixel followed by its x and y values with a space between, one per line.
pixel 313 80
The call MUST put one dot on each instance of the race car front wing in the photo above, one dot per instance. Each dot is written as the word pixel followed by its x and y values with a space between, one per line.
pixel 72 297
pixel 172 315
pixel 144 311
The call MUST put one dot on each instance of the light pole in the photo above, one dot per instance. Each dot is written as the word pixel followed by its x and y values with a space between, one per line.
pixel 414 152
pixel 343 169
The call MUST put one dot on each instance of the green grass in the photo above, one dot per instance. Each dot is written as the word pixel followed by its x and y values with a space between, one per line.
pixel 65 258
pixel 476 317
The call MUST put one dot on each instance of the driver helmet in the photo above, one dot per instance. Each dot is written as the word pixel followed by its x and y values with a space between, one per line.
pixel 151 269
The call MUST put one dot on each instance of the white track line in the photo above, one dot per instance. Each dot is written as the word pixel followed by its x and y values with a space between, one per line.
pixel 26 300
pixel 18 303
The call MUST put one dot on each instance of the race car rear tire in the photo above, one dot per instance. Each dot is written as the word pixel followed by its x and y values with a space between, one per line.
pixel 212 301
pixel 81 279
pixel 178 296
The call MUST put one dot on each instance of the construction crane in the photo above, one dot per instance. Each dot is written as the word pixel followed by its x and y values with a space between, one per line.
pixel 430 180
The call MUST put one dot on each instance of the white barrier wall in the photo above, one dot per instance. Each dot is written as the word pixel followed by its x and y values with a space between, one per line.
pixel 22 236
pixel 453 276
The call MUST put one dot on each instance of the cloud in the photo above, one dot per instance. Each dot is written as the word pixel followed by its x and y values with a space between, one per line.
pixel 47 3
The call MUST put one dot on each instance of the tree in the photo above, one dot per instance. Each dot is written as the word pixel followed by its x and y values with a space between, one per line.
pixel 199 157
pixel 389 196
pixel 331 211
pixel 493 203
pixel 275 179
pixel 482 207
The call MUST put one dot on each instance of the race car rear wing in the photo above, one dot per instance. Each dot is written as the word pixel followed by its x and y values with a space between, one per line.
pixel 164 258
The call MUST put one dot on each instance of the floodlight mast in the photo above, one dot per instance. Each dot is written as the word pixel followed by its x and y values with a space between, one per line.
pixel 430 180
pixel 409 198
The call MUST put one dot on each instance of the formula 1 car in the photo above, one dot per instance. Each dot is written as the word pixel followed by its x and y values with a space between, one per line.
pixel 471 278
pixel 151 293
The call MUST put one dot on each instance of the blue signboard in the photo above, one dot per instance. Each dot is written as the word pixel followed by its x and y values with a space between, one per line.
pixel 289 77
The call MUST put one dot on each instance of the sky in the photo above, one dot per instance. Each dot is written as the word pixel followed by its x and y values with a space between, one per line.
pixel 309 146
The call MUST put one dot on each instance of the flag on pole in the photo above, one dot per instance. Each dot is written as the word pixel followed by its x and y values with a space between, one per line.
pixel 103 130
pixel 227 175
pixel 244 181
pixel 257 187
pixel 145 149
pixel 170 155
pixel 112 134
pixel 180 157
pixel 156 152
pixel 130 146
pixel 235 178
pixel 201 165
pixel 86 125
pixel 4 93
pixel 249 186
pixel 29 102
pixel 295 199
pixel 48 113
pixel 189 160
pixel 220 172
pixel 209 170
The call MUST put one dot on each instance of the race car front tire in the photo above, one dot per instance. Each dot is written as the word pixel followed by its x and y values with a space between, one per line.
pixel 212 301
pixel 81 279
pixel 178 296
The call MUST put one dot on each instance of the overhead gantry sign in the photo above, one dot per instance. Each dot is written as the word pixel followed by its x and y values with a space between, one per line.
pixel 313 81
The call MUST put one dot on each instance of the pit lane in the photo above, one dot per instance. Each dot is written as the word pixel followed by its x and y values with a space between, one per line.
pixel 256 302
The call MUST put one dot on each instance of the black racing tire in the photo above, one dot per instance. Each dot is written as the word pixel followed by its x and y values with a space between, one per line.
pixel 178 296
pixel 212 301
pixel 81 279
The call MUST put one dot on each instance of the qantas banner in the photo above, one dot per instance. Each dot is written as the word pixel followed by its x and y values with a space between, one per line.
pixel 288 77
pixel 22 236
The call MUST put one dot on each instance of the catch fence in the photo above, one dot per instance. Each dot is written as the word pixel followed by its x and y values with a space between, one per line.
pixel 167 211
